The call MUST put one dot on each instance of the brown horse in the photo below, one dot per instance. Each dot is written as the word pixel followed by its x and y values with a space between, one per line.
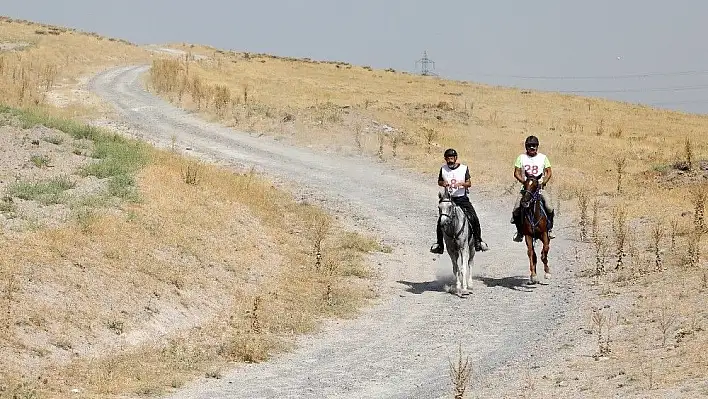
pixel 534 226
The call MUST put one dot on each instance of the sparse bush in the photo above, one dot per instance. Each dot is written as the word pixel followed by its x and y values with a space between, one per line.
pixel 85 218
pixel 124 187
pixel 395 139
pixel 620 163
pixel 460 374
pixel 357 137
pixel 674 232
pixel 7 205
pixel 700 194
pixel 595 219
pixel 40 161
pixel 47 192
pixel 600 130
pixel 380 152
pixel 165 75
pixel 254 315
pixel 620 231
pixel 600 254
pixel 657 234
pixel 53 139
pixel 222 98
pixel 190 174
pixel 117 326
pixel 617 133
pixel 583 205
pixel 118 156
pixel 430 135
pixel 602 325
pixel 688 152
pixel 693 253
pixel 319 228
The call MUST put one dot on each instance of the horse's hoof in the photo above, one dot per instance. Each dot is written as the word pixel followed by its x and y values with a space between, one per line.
pixel 548 276
pixel 533 280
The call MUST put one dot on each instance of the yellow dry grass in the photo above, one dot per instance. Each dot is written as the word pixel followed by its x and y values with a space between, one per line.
pixel 344 107
pixel 170 284
pixel 36 58
pixel 623 157
pixel 141 298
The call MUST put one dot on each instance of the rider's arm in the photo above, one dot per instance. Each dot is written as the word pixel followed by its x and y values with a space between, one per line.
pixel 547 173
pixel 441 181
pixel 468 179
pixel 518 174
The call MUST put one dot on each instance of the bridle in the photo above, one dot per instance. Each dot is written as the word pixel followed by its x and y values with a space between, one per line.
pixel 528 205
pixel 448 198
pixel 535 193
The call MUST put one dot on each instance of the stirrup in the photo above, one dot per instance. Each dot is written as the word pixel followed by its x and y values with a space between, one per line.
pixel 437 249
pixel 481 246
pixel 551 235
pixel 518 237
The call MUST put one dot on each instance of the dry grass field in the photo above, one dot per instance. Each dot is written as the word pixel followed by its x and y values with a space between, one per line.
pixel 129 271
pixel 41 64
pixel 97 260
pixel 632 178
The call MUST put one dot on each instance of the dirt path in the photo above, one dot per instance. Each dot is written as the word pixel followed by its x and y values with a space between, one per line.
pixel 401 347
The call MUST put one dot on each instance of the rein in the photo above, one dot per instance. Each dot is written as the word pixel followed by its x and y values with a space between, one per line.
pixel 455 213
pixel 528 211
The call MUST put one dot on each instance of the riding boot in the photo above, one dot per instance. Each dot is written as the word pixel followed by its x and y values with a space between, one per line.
pixel 438 247
pixel 519 237
pixel 550 225
pixel 479 244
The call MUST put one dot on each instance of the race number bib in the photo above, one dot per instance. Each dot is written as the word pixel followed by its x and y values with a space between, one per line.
pixel 532 170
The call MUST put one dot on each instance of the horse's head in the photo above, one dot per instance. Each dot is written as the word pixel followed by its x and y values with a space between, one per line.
pixel 530 191
pixel 445 205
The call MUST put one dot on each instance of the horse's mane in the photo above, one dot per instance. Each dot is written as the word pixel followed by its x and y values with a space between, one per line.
pixel 444 194
pixel 532 177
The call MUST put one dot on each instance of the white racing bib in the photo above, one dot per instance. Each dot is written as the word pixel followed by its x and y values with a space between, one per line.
pixel 532 166
pixel 455 177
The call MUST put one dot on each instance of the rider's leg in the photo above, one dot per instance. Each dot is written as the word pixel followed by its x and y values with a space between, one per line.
pixel 466 205
pixel 550 212
pixel 439 246
pixel 516 219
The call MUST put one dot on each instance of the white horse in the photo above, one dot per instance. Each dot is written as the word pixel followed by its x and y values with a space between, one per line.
pixel 459 241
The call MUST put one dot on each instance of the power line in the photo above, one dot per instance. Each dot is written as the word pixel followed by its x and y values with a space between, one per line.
pixel 588 77
pixel 603 77
pixel 685 102
pixel 425 64
pixel 639 90
pixel 685 88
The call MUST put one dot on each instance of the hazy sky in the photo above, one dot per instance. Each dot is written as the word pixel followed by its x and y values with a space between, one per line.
pixel 503 42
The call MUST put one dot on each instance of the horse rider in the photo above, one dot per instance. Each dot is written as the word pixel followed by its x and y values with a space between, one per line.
pixel 457 177
pixel 536 164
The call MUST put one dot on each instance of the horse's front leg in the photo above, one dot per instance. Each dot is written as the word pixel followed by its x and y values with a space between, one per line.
pixel 459 261
pixel 470 263
pixel 531 253
pixel 465 269
pixel 544 255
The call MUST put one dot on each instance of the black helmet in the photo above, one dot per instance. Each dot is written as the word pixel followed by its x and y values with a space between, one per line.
pixel 531 141
pixel 450 152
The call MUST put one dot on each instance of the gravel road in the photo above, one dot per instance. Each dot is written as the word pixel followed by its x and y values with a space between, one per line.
pixel 401 347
